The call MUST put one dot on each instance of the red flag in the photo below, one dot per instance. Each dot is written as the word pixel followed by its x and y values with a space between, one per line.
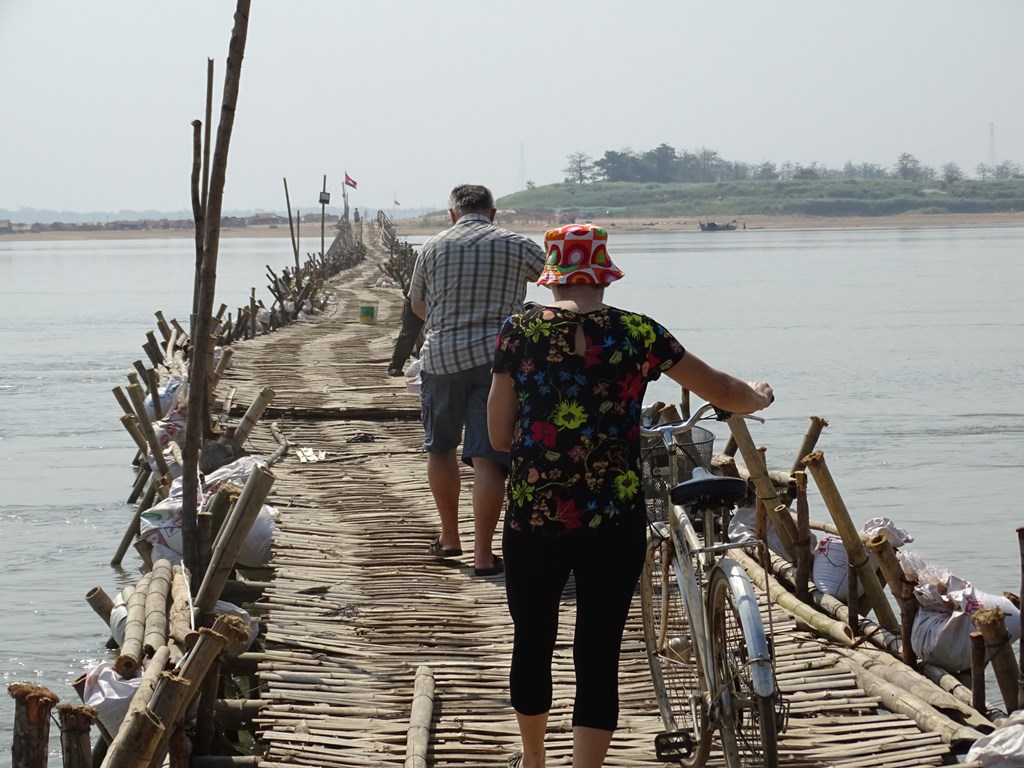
pixel 349 181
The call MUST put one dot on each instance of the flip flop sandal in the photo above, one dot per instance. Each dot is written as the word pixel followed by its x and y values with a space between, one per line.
pixel 440 552
pixel 516 760
pixel 494 570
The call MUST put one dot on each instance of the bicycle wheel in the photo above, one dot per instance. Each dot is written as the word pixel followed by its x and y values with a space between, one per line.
pixel 747 719
pixel 675 665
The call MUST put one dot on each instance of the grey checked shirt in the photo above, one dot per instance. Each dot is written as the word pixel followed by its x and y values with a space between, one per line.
pixel 471 277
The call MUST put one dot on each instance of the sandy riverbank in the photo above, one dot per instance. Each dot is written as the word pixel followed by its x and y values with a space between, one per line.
pixel 668 224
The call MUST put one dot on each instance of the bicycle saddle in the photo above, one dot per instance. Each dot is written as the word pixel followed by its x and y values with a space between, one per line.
pixel 703 485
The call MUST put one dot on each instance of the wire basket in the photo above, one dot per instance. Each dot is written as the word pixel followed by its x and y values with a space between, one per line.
pixel 693 448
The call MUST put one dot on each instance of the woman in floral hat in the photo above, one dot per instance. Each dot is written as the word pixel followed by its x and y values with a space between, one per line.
pixel 566 396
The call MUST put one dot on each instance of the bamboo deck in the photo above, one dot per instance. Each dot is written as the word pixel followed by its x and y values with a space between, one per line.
pixel 356 604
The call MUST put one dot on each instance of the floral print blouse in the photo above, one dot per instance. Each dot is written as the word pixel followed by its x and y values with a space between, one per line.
pixel 575 458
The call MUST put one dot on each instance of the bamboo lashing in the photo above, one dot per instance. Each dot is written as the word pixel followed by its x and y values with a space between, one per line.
pixel 417 740
pixel 779 515
pixel 855 549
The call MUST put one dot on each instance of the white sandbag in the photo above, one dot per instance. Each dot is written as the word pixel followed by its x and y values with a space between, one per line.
pixel 237 473
pixel 1004 747
pixel 170 429
pixel 413 382
pixel 829 571
pixel 118 619
pixel 256 550
pixel 109 693
pixel 238 646
pixel 168 395
pixel 161 524
pixel 942 629
pixel 743 527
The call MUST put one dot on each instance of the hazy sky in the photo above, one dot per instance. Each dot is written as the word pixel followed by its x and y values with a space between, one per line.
pixel 414 96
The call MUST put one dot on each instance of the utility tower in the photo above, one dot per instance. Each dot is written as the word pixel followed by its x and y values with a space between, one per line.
pixel 992 161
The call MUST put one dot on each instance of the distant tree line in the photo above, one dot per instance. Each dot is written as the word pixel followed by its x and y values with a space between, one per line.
pixel 664 164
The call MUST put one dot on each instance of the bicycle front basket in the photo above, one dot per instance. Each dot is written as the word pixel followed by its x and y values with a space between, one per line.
pixel 693 448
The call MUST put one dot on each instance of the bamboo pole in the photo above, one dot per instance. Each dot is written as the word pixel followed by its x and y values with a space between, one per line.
pixel 978 671
pixel 809 441
pixel 141 478
pixel 157 357
pixel 855 549
pixel 122 400
pixel 32 707
pixel 901 588
pixel 100 602
pixel 146 426
pixel 803 537
pixel 75 726
pixel 780 517
pixel 231 538
pixel 197 426
pixel 130 658
pixel 131 426
pixel 154 393
pixel 253 414
pixel 1020 661
pixel 136 742
pixel 222 364
pixel 417 740
pixel 161 325
pixel 155 634
pixel 999 645
pixel 179 619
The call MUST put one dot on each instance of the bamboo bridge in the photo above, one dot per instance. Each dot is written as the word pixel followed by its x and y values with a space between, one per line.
pixel 364 627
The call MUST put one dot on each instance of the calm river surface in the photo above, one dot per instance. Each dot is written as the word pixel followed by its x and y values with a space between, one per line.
pixel 909 342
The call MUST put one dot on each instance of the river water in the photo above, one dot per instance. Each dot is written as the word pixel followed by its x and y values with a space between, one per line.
pixel 909 342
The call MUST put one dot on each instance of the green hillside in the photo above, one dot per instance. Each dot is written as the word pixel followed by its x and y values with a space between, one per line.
pixel 882 197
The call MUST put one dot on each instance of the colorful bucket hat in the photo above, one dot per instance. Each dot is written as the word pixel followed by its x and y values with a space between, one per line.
pixel 578 255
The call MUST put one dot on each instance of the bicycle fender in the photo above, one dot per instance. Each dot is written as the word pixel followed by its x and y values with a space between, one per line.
pixel 760 660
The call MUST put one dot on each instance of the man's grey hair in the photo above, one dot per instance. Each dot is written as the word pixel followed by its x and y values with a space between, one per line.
pixel 471 198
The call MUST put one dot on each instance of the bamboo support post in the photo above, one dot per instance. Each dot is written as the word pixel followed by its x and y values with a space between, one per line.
pixel 130 658
pixel 853 597
pixel 181 331
pixel 154 393
pixel 809 441
pixel 100 602
pixel 884 555
pixel 141 478
pixel 136 742
pixel 803 537
pixel 999 645
pixel 135 395
pixel 417 740
pixel 222 364
pixel 253 414
pixel 855 549
pixel 253 325
pixel 161 325
pixel 779 515
pixel 205 731
pixel 75 726
pixel 32 707
pixel 231 537
pixel 142 371
pixel 131 426
pixel 151 341
pixel 155 634
pixel 122 400
pixel 133 526
pixel 978 671
pixel 180 616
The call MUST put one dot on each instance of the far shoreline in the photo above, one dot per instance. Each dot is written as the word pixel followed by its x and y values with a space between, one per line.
pixel 406 228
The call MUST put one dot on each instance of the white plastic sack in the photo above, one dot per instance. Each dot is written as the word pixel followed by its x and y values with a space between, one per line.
pixel 830 571
pixel 161 524
pixel 942 629
pixel 109 694
pixel 412 377
pixel 167 395
pixel 237 473
pixel 743 527
pixel 1004 747
pixel 256 550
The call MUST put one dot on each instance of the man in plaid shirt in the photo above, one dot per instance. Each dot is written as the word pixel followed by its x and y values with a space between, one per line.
pixel 466 281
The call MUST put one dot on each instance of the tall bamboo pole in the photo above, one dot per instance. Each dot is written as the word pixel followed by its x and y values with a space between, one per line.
pixel 196 425
pixel 75 724
pixel 32 707
pixel 809 441
pixel 1020 661
pixel 855 550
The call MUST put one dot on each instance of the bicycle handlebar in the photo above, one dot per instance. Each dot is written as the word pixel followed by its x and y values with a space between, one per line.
pixel 669 430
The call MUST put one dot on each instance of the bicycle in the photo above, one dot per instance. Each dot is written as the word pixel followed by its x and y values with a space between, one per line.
pixel 712 665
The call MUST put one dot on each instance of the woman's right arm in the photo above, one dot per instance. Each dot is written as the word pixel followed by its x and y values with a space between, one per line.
pixel 717 387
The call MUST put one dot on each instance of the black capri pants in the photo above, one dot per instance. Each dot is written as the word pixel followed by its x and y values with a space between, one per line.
pixel 606 566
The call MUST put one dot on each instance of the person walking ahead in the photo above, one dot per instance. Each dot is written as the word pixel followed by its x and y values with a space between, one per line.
pixel 567 393
pixel 465 282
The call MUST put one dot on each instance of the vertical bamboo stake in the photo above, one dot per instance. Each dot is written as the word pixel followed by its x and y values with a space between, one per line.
pixel 903 590
pixel 1020 662
pixel 978 672
pixel 196 427
pixel 75 724
pixel 855 550
pixel 779 515
pixel 154 392
pixel 161 325
pixel 803 537
pixel 32 707
pixel 809 441
pixel 999 645
pixel 135 395
pixel 853 598
pixel 252 313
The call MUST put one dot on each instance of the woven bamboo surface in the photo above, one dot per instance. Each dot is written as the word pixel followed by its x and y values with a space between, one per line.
pixel 357 604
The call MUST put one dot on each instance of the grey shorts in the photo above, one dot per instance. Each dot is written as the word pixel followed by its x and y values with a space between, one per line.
pixel 454 410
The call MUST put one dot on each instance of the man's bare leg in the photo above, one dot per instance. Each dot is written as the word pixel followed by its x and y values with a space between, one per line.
pixel 445 485
pixel 488 496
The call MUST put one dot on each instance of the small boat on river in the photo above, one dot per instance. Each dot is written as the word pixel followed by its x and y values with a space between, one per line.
pixel 714 226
